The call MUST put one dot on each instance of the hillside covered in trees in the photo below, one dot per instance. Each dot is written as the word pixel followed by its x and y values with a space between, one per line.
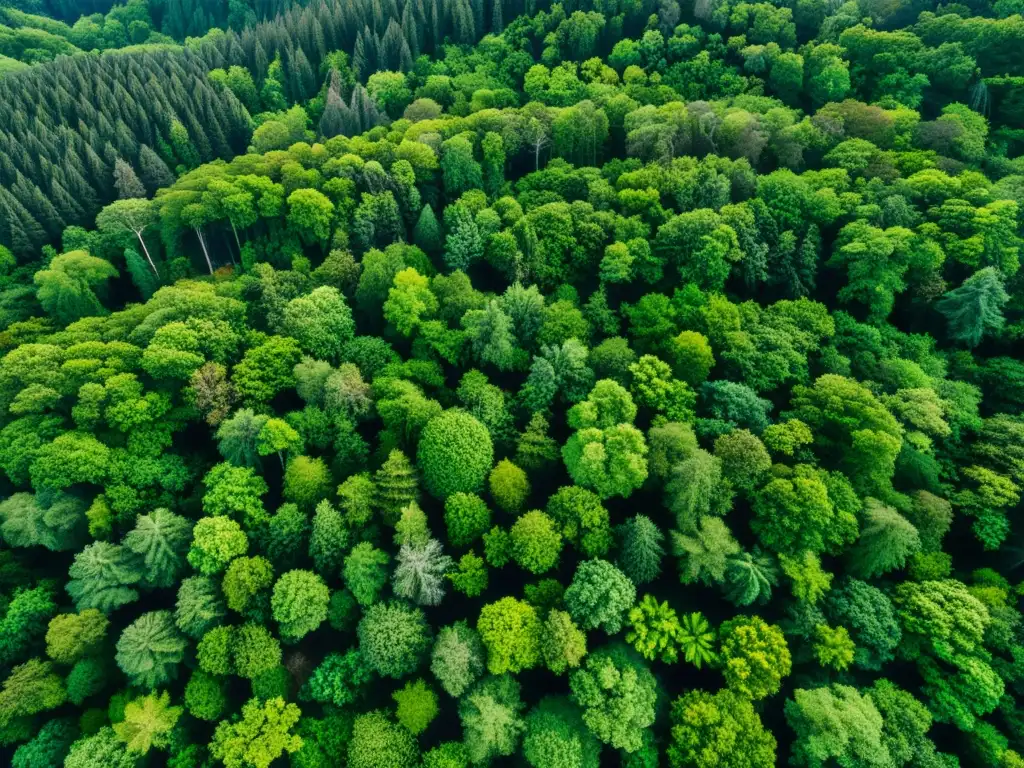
pixel 457 383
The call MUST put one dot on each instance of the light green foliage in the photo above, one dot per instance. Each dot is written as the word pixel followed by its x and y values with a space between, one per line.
pixel 617 694
pixel 611 462
pixel 419 572
pixel 455 453
pixel 70 636
pixel 705 555
pixel 654 630
pixel 255 650
pixel 718 730
pixel 147 723
pixel 216 541
pixel 754 656
pixel 199 606
pixel 833 647
pixel 582 519
pixel 796 513
pixel 535 543
pixel 491 714
pixel 471 577
pixel 377 742
pixel 159 541
pixel 261 735
pixel 562 643
pixel 415 706
pixel 457 659
pixel 509 486
pixel 246 580
pixel 466 518
pixel 299 604
pixel 835 723
pixel 557 736
pixel 394 638
pixel 886 540
pixel 366 572
pixel 697 639
pixel 510 631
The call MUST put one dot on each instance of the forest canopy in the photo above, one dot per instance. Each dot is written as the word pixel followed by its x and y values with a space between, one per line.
pixel 436 384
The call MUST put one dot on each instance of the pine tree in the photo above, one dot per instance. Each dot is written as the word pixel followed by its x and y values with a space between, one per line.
pixel 333 120
pixel 976 307
pixel 126 182
pixel 397 485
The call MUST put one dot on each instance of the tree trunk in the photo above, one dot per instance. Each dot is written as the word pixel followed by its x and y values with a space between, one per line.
pixel 145 250
pixel 206 253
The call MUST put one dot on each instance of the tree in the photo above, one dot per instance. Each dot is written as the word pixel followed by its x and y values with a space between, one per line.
pixel 366 572
pixel 147 723
pixel 509 486
pixel 340 679
pixel 750 578
pixel 582 519
pixel 394 638
pixel 510 631
pixel 216 541
pixel 256 651
pixel 795 513
pixel 101 748
pixel 871 619
pixel 70 636
pixel 457 659
pixel 397 485
pixel 611 461
pixel 379 743
pixel 455 453
pixel 160 542
pixel 466 518
pixel 640 550
pixel 697 639
pixel 705 556
pixel 976 307
pixel 557 736
pixel 135 215
pixel 835 723
pixel 321 322
pixel 199 606
pixel 617 694
pixel 744 458
pixel 102 576
pixel 654 630
pixel 261 735
pixel 535 544
pixel 30 688
pixel 491 714
pixel 410 301
pixel 721 729
pixel 150 649
pixel 886 540
pixel 833 647
pixel 310 214
pixel 419 572
pixel 416 706
pixel 299 604
pixel 562 644
pixel 754 656
pixel 600 596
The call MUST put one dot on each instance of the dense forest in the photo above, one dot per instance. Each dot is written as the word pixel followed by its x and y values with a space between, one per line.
pixel 450 383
